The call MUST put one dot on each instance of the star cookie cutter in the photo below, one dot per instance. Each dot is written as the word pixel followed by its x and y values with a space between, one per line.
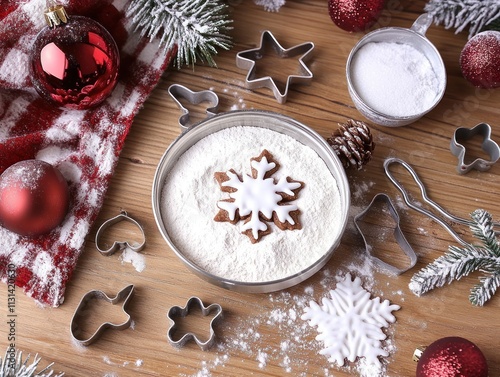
pixel 488 145
pixel 398 235
pixel 123 216
pixel 247 60
pixel 177 311
pixel 123 296
pixel 177 92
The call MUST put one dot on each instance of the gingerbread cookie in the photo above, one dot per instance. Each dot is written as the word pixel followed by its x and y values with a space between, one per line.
pixel 258 199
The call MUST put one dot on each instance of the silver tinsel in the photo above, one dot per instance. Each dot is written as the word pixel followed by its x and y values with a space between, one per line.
pixel 460 14
pixel 16 367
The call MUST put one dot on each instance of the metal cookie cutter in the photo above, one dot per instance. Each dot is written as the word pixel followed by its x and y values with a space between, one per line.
pixel 177 91
pixel 123 216
pixel 177 311
pixel 247 60
pixel 417 207
pixel 398 234
pixel 488 145
pixel 123 296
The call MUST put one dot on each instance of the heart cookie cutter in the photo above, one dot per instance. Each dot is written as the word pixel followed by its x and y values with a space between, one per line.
pixel 123 216
pixel 177 92
pixel 247 60
pixel 398 235
pixel 177 311
pixel 488 145
pixel 123 296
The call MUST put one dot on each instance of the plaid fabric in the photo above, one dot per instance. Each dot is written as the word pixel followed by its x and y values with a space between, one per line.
pixel 83 145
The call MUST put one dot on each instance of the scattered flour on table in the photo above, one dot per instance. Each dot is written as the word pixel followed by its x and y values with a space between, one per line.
pixel 295 338
pixel 135 258
pixel 189 204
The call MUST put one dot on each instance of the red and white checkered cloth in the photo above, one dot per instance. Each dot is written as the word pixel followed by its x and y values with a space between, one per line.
pixel 83 145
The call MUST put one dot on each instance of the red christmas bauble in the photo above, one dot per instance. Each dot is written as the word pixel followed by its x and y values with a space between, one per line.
pixel 34 198
pixel 480 60
pixel 355 15
pixel 74 61
pixel 452 357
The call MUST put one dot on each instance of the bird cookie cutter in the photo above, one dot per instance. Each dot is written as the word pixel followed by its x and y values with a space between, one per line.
pixel 123 296
pixel 177 311
pixel 123 216
pixel 177 92
pixel 398 235
pixel 247 60
pixel 488 145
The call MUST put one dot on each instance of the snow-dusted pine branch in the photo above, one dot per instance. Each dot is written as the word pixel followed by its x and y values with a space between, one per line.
pixel 197 28
pixel 461 261
pixel 13 365
pixel 462 14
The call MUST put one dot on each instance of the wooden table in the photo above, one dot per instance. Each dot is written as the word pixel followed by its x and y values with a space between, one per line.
pixel 262 334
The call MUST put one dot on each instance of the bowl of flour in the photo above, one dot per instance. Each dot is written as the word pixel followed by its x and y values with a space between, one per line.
pixel 396 75
pixel 185 199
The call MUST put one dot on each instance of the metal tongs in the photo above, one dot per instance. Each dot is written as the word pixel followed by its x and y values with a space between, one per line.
pixel 459 220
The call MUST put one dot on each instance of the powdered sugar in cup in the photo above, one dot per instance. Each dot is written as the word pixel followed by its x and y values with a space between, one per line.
pixel 396 75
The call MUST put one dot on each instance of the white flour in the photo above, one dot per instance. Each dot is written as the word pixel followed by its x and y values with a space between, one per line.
pixel 394 78
pixel 189 204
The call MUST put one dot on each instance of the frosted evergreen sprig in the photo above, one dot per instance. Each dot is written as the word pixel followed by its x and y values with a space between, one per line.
pixel 20 368
pixel 461 261
pixel 197 28
pixel 460 14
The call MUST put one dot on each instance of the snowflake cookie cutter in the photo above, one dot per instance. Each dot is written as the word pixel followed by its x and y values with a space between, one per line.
pixel 123 216
pixel 488 145
pixel 177 92
pixel 247 60
pixel 178 311
pixel 398 235
pixel 123 297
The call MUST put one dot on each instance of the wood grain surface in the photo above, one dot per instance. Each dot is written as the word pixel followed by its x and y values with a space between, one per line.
pixel 262 334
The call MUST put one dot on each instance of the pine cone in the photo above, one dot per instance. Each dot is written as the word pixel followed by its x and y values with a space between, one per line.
pixel 352 143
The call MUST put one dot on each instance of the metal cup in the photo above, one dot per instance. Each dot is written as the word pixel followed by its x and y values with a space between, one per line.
pixel 415 37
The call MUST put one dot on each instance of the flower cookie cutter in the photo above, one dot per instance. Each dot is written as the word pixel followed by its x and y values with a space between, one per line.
pixel 123 296
pixel 247 60
pixel 398 235
pixel 123 216
pixel 488 145
pixel 178 91
pixel 177 311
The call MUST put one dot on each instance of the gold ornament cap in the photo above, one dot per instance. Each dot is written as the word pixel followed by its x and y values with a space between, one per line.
pixel 417 354
pixel 55 15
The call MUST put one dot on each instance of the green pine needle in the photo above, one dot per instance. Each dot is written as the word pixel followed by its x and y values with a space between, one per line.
pixel 196 28
pixel 461 261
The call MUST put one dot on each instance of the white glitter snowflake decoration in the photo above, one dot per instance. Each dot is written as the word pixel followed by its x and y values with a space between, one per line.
pixel 257 199
pixel 350 323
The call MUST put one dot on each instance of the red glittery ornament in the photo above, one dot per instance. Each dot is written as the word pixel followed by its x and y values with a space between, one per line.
pixel 34 197
pixel 480 60
pixel 74 60
pixel 452 357
pixel 355 15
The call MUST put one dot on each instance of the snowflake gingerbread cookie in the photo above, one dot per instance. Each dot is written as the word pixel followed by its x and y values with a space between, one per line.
pixel 258 199
pixel 350 323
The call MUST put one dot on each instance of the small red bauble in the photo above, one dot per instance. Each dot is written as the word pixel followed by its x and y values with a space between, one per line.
pixel 74 61
pixel 452 357
pixel 34 198
pixel 480 60
pixel 355 15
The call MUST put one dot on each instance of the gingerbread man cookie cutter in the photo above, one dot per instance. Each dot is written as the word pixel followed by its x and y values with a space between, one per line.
pixel 123 216
pixel 398 235
pixel 488 145
pixel 177 311
pixel 123 296
pixel 177 92
pixel 247 60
